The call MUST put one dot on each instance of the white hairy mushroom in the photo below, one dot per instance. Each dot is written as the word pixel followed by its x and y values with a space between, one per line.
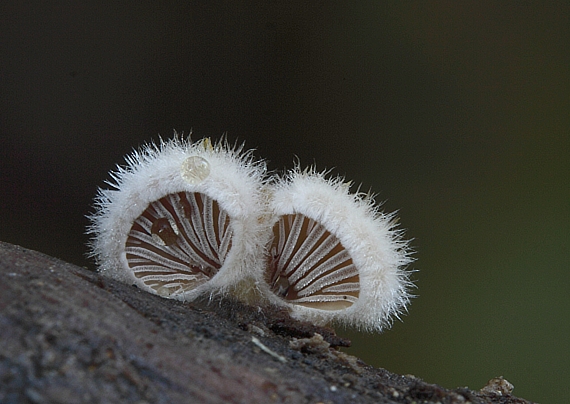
pixel 181 219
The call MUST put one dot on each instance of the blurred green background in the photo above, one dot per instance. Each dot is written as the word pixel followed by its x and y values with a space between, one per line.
pixel 456 113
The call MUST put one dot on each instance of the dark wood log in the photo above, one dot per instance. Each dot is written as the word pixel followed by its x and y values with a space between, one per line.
pixel 69 335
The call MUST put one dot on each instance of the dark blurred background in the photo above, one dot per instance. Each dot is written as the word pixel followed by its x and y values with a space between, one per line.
pixel 456 113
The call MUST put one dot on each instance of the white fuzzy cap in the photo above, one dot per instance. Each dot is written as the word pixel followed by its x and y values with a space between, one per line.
pixel 370 236
pixel 235 180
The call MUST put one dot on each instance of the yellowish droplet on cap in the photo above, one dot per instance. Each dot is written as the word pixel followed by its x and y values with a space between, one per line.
pixel 195 169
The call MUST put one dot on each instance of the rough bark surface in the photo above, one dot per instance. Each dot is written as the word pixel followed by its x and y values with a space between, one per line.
pixel 69 335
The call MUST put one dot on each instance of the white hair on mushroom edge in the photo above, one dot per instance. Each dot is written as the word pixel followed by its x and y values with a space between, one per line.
pixel 181 219
pixel 185 218
pixel 334 256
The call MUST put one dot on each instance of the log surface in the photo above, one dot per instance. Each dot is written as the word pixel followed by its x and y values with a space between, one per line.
pixel 69 335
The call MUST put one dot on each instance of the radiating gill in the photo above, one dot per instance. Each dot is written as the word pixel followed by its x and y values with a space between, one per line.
pixel 309 266
pixel 179 242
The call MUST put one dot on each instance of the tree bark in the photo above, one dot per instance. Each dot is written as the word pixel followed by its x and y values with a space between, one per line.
pixel 69 335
